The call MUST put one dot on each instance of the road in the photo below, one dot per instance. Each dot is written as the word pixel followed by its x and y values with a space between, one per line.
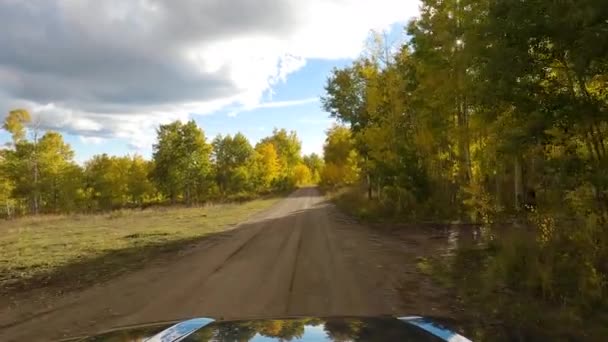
pixel 299 258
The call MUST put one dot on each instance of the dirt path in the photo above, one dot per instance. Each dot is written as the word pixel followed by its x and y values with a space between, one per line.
pixel 299 258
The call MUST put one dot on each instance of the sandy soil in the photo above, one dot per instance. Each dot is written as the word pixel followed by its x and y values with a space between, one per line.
pixel 299 258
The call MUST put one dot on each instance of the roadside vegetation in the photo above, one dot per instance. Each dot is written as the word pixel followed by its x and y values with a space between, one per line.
pixel 78 250
pixel 493 112
pixel 38 174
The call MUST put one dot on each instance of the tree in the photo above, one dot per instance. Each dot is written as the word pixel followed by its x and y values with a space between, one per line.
pixel 494 109
pixel 105 182
pixel 59 177
pixel 15 124
pixel 182 162
pixel 7 203
pixel 288 148
pixel 231 155
pixel 39 174
pixel 139 186
pixel 14 160
pixel 265 166
pixel 341 158
pixel 315 164
pixel 301 174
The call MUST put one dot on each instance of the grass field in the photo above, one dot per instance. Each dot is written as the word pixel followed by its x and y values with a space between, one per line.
pixel 80 249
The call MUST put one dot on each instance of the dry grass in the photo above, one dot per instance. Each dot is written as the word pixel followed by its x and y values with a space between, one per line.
pixel 78 249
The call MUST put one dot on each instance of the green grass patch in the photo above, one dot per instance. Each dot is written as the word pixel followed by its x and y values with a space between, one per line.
pixel 353 202
pixel 79 249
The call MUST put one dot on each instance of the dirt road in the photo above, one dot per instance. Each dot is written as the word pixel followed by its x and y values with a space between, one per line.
pixel 299 258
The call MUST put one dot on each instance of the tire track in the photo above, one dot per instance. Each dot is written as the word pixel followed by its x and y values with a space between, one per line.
pixel 293 260
pixel 293 275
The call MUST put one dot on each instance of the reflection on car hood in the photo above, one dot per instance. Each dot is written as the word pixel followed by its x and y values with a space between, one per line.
pixel 293 329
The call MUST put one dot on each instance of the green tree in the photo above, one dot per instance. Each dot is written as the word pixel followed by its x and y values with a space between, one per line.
pixel 341 158
pixel 59 177
pixel 288 148
pixel 105 182
pixel 494 109
pixel 15 123
pixel 231 156
pixel 182 162
pixel 140 188
pixel 315 164
pixel 7 203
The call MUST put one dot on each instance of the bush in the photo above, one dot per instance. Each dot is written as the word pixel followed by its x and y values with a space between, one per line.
pixel 548 283
pixel 284 184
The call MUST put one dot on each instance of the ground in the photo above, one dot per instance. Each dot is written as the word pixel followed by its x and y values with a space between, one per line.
pixel 301 257
pixel 40 251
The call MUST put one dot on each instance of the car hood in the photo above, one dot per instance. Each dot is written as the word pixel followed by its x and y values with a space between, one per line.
pixel 412 328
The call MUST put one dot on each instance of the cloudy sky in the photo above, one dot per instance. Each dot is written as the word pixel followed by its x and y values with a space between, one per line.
pixel 105 73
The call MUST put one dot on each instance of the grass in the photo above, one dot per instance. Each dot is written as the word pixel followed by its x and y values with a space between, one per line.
pixel 352 202
pixel 79 249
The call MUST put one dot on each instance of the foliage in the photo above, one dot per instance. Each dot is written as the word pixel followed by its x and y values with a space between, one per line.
pixel 315 164
pixel 301 174
pixel 182 162
pixel 288 149
pixel 341 158
pixel 115 182
pixel 492 110
pixel 265 167
pixel 15 124
pixel 231 156
pixel 39 174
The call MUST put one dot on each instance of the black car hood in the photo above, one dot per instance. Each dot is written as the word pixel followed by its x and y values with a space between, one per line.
pixel 293 329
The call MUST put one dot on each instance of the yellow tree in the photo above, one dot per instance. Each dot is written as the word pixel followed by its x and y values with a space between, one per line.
pixel 301 174
pixel 15 124
pixel 341 158
pixel 266 166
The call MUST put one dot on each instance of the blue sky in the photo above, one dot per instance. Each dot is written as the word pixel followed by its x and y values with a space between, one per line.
pixel 308 120
pixel 106 73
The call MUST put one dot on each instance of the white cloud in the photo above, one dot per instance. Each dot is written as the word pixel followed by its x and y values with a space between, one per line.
pixel 274 104
pixel 92 140
pixel 282 104
pixel 114 68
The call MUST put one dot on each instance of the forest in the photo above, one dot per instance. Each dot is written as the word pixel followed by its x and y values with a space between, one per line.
pixel 493 112
pixel 38 173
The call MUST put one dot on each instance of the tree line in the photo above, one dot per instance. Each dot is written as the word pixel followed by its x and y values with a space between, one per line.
pixel 492 110
pixel 490 105
pixel 38 173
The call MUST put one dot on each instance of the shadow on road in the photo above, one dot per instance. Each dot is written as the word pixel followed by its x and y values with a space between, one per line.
pixel 85 272
pixel 300 257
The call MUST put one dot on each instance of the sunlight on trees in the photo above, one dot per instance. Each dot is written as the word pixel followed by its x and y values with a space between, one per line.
pixel 41 175
pixel 493 111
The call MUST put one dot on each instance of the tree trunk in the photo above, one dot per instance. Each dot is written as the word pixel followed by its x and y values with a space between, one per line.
pixel 517 182
pixel 497 194
pixel 599 140
pixel 588 143
pixel 36 190
pixel 369 186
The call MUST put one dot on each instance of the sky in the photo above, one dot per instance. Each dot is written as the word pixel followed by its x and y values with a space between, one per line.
pixel 106 73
